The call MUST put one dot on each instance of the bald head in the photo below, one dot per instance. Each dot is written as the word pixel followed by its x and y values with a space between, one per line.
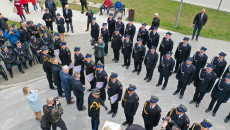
pixel 49 100
pixel 203 11
pixel 67 6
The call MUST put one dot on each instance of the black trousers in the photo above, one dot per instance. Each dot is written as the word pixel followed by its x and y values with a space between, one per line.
pixel 148 126
pixel 114 107
pixel 49 25
pixel 49 77
pixel 106 47
pixel 26 7
pixel 111 32
pixel 198 96
pixel 71 26
pixel 161 79
pixel 82 6
pixel 9 66
pixel 177 64
pixel 95 123
pixel 129 119
pixel 82 78
pixel 99 59
pixel 138 65
pixel 228 117
pixel 80 102
pixel 93 84
pixel 212 104
pixel 149 73
pixel 116 54
pixel 127 60
pixel 59 90
pixel 61 124
pixel 103 94
pixel 23 60
pixel 71 71
pixel 3 74
pixel 181 87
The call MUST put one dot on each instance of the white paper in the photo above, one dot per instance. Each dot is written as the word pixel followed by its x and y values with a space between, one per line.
pixel 114 98
pixel 77 68
pixel 57 52
pixel 113 126
pixel 90 77
pixel 71 66
pixel 99 85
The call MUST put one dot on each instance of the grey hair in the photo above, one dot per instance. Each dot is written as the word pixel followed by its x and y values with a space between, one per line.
pixel 76 74
pixel 156 14
pixel 65 67
pixel 53 59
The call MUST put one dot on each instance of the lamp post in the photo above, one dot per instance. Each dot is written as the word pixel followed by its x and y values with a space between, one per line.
pixel 178 15
pixel 219 5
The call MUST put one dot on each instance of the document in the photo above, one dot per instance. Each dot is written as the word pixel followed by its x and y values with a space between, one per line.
pixel 77 68
pixel 114 98
pixel 90 77
pixel 99 85
pixel 57 52
pixel 70 65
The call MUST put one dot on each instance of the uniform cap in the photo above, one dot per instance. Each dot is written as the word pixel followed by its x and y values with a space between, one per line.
pixel 58 14
pixel 77 49
pixel 113 75
pixel 4 46
pixel 227 76
pixel 190 59
pixel 119 18
pixel 132 87
pixel 169 33
pixel 153 47
pixel 63 43
pixel 182 108
pixel 44 48
pixel 117 29
pixel 104 24
pixel 44 32
pixel 88 56
pixel 13 25
pixel 99 65
pixel 94 18
pixel 169 53
pixel 203 48
pixel 210 65
pixel 127 36
pixel 111 14
pixel 139 39
pixel 154 99
pixel 222 54
pixel 47 9
pixel 155 28
pixel 97 92
pixel 206 124
pixel 56 34
pixel 17 42
pixel 130 19
pixel 144 24
pixel 186 39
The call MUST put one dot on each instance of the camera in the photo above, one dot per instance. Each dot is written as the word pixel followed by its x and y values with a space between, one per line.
pixel 13 31
pixel 92 42
pixel 55 100
pixel 165 118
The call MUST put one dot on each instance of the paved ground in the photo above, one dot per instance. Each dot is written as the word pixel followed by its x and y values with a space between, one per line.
pixel 210 4
pixel 16 113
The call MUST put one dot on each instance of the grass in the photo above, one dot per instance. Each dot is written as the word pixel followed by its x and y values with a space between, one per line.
pixel 9 22
pixel 78 7
pixel 217 27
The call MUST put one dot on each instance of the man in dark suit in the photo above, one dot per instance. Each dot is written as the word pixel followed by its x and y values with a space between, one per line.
pixel 78 90
pixel 155 22
pixel 130 29
pixel 101 80
pixel 198 23
pixel 67 13
pixel 120 25
pixel 116 45
pixel 143 33
pixel 111 24
pixel 154 38
pixel 79 61
pixel 151 113
pixel 185 76
pixel 95 29
pixel 166 45
pixel 127 51
pixel 65 56
pixel 220 64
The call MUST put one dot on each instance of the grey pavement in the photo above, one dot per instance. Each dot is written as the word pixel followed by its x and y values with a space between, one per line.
pixel 16 114
pixel 210 4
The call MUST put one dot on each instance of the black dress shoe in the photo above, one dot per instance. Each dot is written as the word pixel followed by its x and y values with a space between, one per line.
pixel 127 67
pixel 158 85
pixel 113 59
pixel 148 80
pixel 181 96
pixel 163 88
pixel 110 112
pixel 138 73
pixel 175 93
pixel 191 102
pixel 22 71
pixel 82 12
pixel 145 78
pixel 207 110
pixel 116 61
pixel 123 65
pixel 89 90
pixel 134 71
pixel 53 88
pixel 197 104
pixel 11 76
pixel 83 108
pixel 6 78
pixel 125 123
pixel 114 114
pixel 174 71
pixel 226 119
pixel 213 114
pixel 62 95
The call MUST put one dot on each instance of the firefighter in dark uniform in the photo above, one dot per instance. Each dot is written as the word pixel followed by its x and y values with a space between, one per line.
pixel 101 77
pixel 127 51
pixel 154 38
pixel 111 24
pixel 94 105
pixel 114 90
pixel 220 94
pixel 9 58
pixel 90 68
pixel 120 25
pixel 116 45
pixel 185 76
pixel 35 46
pixel 138 55
pixel 46 61
pixel 178 117
pixel 65 56
pixel 95 29
pixel 182 52
pixel 79 61
pixel 2 37
pixel 130 29
pixel 57 42
pixel 165 69
pixel 143 33
pixel 220 64
pixel 23 54
pixel 106 35
pixel 47 40
pixel 151 113
pixel 199 61
pixel 33 29
pixel 131 104
pixel 3 73
pixel 204 125
pixel 207 78
pixel 166 44
pixel 227 72
pixel 150 62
